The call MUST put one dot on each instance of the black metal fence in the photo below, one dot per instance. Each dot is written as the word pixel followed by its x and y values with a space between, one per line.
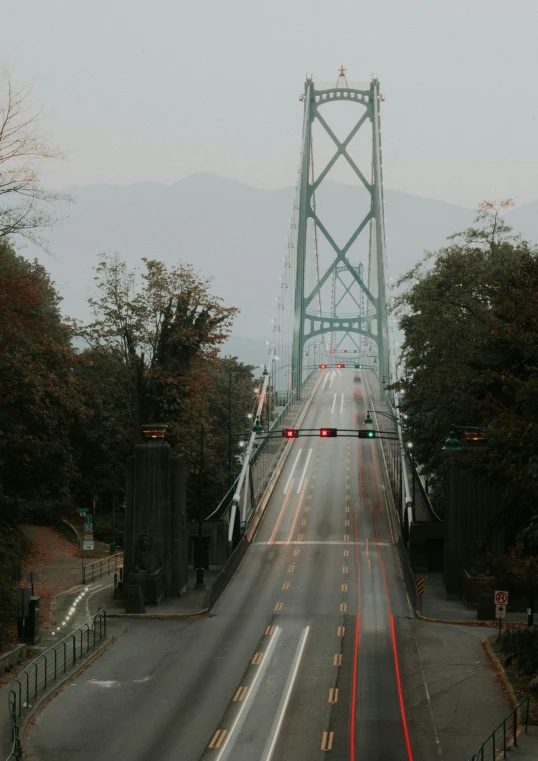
pixel 42 673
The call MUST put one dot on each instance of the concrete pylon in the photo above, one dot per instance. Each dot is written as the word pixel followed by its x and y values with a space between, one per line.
pixel 156 537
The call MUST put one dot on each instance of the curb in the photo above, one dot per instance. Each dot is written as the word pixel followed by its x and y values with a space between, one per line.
pixel 47 696
pixel 163 616
pixel 487 624
pixel 500 670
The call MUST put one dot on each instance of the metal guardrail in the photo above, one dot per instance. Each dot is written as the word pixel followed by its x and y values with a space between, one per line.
pixel 505 735
pixel 44 671
pixel 102 567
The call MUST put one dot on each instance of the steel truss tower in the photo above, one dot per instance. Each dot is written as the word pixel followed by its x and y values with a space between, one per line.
pixel 370 320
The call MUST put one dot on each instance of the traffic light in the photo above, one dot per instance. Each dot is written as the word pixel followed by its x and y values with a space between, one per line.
pixel 341 364
pixel 332 351
pixel 344 351
pixel 328 433
pixel 323 367
pixel 290 433
pixel 365 434
pixel 358 367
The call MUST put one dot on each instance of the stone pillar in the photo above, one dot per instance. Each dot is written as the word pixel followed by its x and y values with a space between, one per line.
pixel 156 508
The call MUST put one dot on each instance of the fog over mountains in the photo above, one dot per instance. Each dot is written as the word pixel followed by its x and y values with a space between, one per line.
pixel 232 232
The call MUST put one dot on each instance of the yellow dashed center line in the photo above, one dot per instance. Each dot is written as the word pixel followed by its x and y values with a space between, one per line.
pixel 291 568
pixel 343 607
pixel 340 631
pixel 337 660
pixel 346 553
pixel 303 522
pixel 299 537
pixel 269 631
pixel 218 737
pixel 240 694
pixel 333 695
pixel 257 659
pixel 345 569
pixel 278 607
pixel 344 587
pixel 286 585
pixel 327 741
pixel 296 552
pixel 346 523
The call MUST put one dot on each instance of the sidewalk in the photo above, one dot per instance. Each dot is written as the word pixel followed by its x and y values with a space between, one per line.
pixel 435 605
pixel 452 646
pixel 192 602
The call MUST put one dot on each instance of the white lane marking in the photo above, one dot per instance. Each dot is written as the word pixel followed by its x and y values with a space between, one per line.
pixel 285 699
pixel 304 471
pixel 326 379
pixel 107 684
pixel 245 707
pixel 334 402
pixel 342 404
pixel 332 378
pixel 347 544
pixel 291 474
pixel 339 373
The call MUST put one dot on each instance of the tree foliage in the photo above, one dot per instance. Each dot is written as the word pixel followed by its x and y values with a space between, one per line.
pixel 468 313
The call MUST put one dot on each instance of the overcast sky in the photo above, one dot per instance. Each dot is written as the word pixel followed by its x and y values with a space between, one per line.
pixel 157 90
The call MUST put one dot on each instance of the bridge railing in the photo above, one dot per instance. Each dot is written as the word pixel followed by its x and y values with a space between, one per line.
pixel 504 737
pixel 43 672
pixel 102 567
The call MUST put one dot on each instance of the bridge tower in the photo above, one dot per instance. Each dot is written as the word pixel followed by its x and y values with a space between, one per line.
pixel 341 280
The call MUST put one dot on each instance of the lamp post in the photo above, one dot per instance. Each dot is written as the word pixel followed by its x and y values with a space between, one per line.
pixel 410 447
pixel 95 498
pixel 112 548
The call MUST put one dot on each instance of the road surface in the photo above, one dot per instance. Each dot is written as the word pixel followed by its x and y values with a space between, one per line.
pixel 299 658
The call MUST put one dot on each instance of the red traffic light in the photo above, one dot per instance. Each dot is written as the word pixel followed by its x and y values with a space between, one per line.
pixel 332 351
pixel 344 351
pixel 290 433
pixel 328 433
pixel 323 367
pixel 341 364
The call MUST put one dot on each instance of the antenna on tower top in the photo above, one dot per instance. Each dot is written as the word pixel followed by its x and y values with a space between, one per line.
pixel 342 75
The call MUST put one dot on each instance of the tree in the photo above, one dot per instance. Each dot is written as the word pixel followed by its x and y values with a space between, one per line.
pixel 24 204
pixel 451 314
pixel 163 333
pixel 39 395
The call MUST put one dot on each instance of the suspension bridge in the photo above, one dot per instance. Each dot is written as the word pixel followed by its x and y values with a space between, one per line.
pixel 301 656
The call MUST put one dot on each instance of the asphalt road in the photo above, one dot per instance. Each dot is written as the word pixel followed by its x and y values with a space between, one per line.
pixel 300 655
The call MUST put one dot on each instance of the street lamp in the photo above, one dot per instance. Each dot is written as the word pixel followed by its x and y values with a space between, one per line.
pixel 368 420
pixel 410 447
pixel 453 444
pixel 112 548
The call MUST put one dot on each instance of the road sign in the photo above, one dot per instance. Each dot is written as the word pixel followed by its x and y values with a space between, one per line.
pixel 501 598
pixel 82 510
pixel 500 611
pixel 88 528
pixel 87 544
pixel 88 518
pixel 420 586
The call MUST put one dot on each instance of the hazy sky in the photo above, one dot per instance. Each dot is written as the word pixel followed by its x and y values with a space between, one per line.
pixel 157 90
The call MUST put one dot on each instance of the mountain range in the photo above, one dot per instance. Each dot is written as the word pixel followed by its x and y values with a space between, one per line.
pixel 232 232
